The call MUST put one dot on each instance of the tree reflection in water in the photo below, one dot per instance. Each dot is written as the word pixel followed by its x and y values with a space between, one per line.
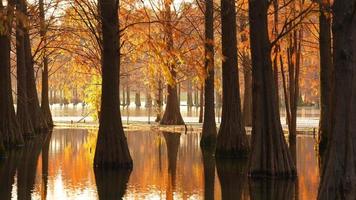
pixel 233 178
pixel 112 183
pixel 172 142
pixel 7 174
pixel 272 189
pixel 209 173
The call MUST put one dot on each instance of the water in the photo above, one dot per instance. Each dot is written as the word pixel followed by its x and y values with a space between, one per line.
pixel 166 166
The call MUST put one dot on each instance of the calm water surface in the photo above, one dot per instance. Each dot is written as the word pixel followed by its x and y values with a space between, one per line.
pixel 166 166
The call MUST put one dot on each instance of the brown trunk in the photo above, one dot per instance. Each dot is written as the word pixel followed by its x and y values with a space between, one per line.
pixel 138 99
pixel 201 107
pixel 159 100
pixel 326 78
pixel 148 103
pixel 38 121
pixel 209 132
pixel 128 97
pixel 189 93
pixel 232 140
pixel 22 114
pixel 172 115
pixel 247 104
pixel 270 156
pixel 338 179
pixel 111 149
pixel 46 111
pixel 9 126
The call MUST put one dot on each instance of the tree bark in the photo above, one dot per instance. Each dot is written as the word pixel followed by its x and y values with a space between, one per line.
pixel 326 71
pixel 46 111
pixel 338 179
pixel 22 113
pixel 247 104
pixel 148 103
pixel 209 132
pixel 189 93
pixel 201 104
pixel 270 156
pixel 232 140
pixel 9 126
pixel 111 149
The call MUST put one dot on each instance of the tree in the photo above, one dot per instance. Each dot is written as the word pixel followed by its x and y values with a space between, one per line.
pixel 338 180
pixel 326 70
pixel 38 121
pixel 9 126
pixel 270 156
pixel 172 115
pixel 209 125
pixel 22 114
pixel 46 111
pixel 111 150
pixel 232 140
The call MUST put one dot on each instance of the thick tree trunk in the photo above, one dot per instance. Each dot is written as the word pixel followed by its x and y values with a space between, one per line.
pixel 270 156
pixel 326 78
pixel 138 99
pixel 38 121
pixel 209 132
pixel 22 113
pixel 9 126
pixel 338 179
pixel 46 111
pixel 232 140
pixel 247 104
pixel 111 149
pixel 172 115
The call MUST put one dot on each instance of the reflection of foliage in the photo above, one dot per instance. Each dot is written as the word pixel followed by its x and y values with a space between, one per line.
pixel 92 96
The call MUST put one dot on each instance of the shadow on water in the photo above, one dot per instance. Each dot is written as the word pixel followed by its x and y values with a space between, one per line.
pixel 272 189
pixel 172 142
pixel 233 178
pixel 111 184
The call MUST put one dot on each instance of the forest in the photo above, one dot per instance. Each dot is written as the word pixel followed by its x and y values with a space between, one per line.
pixel 253 99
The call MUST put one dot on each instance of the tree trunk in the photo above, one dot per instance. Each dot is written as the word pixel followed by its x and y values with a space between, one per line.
pixel 128 97
pixel 247 104
pixel 232 140
pixel 46 111
pixel 111 149
pixel 7 174
pixel 338 179
pixel 9 126
pixel 123 102
pixel 172 115
pixel 138 99
pixel 189 93
pixel 38 121
pixel 22 113
pixel 148 103
pixel 209 132
pixel 201 108
pixel 326 78
pixel 270 156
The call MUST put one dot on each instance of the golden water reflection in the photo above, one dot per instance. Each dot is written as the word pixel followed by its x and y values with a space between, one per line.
pixel 166 166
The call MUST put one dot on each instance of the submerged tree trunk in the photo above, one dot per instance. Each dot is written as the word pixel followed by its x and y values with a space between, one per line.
pixel 326 78
pixel 46 111
pixel 38 121
pixel 9 126
pixel 172 115
pixel 270 156
pixel 338 179
pixel 209 132
pixel 232 140
pixel 22 113
pixel 111 184
pixel 111 149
